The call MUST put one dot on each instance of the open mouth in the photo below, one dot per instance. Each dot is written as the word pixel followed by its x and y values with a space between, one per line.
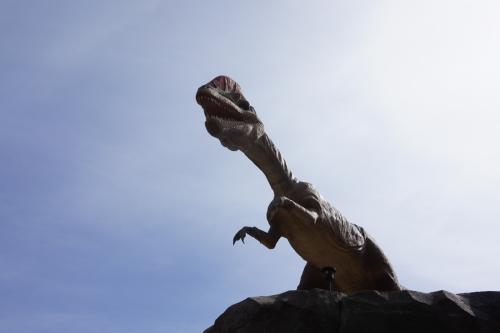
pixel 220 112
pixel 219 108
pixel 226 109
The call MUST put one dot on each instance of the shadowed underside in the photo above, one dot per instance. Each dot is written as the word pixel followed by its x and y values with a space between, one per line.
pixel 316 230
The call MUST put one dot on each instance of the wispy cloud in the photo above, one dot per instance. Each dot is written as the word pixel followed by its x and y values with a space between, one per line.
pixel 115 204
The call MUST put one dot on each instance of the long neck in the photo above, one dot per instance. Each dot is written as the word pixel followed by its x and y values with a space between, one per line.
pixel 264 154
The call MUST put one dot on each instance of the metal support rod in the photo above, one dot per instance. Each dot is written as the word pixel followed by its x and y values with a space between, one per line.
pixel 329 273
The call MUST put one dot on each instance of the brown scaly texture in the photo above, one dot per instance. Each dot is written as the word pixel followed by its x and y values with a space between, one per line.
pixel 316 230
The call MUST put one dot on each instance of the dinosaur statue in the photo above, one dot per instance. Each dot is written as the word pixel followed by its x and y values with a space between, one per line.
pixel 317 231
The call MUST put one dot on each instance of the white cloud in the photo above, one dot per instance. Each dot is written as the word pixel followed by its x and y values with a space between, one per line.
pixel 389 109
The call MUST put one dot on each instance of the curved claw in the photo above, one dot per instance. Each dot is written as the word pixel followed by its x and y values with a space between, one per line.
pixel 240 235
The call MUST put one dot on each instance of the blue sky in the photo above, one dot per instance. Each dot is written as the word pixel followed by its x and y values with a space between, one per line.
pixel 117 209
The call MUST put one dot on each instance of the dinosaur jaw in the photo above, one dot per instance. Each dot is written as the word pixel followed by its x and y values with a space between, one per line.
pixel 220 112
pixel 229 116
pixel 233 134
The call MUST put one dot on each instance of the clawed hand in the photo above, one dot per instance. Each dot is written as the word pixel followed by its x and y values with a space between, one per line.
pixel 240 235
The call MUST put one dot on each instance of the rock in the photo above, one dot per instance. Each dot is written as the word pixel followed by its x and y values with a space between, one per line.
pixel 370 311
pixel 292 311
pixel 412 311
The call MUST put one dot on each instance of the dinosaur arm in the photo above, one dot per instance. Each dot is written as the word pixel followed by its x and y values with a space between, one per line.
pixel 290 209
pixel 268 239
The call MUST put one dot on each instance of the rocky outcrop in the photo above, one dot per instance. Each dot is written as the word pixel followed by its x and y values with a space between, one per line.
pixel 371 311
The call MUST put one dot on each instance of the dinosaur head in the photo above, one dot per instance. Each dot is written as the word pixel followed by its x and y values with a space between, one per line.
pixel 229 116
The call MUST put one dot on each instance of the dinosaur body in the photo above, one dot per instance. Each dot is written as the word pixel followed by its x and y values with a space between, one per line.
pixel 317 231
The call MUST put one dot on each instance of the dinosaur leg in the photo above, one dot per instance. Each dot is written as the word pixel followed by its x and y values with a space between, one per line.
pixel 268 239
pixel 383 276
pixel 312 277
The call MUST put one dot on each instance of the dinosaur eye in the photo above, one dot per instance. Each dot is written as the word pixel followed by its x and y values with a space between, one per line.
pixel 243 103
pixel 239 100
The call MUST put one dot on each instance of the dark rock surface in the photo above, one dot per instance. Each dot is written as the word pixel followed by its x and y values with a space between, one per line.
pixel 370 311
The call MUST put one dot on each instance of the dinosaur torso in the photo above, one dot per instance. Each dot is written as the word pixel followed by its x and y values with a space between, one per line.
pixel 316 230
pixel 331 241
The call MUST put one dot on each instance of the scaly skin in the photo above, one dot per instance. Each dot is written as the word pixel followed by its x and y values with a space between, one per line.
pixel 315 229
